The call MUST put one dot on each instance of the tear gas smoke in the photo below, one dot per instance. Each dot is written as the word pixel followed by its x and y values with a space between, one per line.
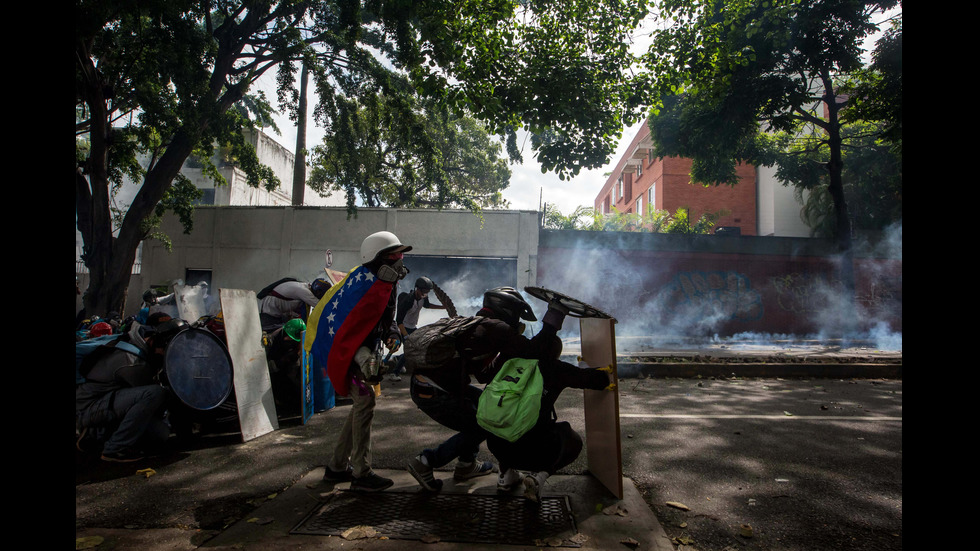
pixel 694 308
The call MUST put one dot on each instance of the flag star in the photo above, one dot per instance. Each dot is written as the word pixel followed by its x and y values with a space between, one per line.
pixel 369 276
pixel 331 331
pixel 335 303
pixel 359 276
pixel 351 281
pixel 331 317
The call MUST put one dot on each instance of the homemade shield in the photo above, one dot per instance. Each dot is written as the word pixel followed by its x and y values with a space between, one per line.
pixel 253 387
pixel 190 301
pixel 602 437
pixel 576 308
pixel 198 369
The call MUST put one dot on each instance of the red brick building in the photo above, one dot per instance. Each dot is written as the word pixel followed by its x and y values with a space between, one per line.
pixel 642 182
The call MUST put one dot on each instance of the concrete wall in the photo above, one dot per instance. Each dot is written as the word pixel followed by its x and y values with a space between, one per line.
pixel 654 284
pixel 250 247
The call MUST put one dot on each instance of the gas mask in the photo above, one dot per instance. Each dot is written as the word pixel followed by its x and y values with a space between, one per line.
pixel 392 270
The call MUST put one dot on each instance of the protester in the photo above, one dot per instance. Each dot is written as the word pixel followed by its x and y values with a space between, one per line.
pixel 122 396
pixel 345 333
pixel 550 444
pixel 410 305
pixel 283 353
pixel 445 393
pixel 288 299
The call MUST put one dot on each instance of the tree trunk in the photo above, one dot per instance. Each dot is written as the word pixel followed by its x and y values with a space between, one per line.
pixel 843 237
pixel 111 260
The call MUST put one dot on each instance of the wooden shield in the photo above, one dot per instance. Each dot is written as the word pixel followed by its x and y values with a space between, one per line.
pixel 253 387
pixel 602 436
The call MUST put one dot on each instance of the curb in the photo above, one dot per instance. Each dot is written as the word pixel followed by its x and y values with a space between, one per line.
pixel 693 370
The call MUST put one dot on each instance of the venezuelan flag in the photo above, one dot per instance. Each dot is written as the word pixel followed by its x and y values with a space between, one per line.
pixel 342 319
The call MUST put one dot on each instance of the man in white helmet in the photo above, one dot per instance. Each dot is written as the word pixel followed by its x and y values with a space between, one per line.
pixel 345 334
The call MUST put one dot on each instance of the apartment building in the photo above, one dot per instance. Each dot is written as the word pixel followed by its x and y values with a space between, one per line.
pixel 756 205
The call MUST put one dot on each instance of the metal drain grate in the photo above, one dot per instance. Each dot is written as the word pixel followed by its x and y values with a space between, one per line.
pixel 468 518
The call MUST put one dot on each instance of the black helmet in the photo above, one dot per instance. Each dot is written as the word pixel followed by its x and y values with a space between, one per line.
pixel 167 330
pixel 319 287
pixel 508 304
pixel 423 283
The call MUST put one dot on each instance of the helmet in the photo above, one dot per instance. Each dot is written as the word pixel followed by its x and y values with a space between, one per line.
pixel 319 287
pixel 508 303
pixel 294 328
pixel 99 329
pixel 381 242
pixel 169 329
pixel 423 283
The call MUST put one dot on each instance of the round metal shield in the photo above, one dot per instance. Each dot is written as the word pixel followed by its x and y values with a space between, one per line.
pixel 576 308
pixel 198 368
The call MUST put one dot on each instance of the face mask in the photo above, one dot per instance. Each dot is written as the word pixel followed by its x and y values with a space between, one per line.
pixel 393 272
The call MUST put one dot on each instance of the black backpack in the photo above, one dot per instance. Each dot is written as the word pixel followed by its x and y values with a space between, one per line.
pixel 269 289
pixel 433 346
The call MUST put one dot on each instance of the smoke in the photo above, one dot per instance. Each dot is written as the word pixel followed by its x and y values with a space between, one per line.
pixel 674 303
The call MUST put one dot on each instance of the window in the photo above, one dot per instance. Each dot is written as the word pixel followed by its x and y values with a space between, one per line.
pixel 193 277
pixel 639 205
pixel 651 196
pixel 639 170
pixel 207 198
pixel 619 188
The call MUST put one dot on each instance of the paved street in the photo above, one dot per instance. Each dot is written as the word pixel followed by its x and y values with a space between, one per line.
pixel 807 464
pixel 755 464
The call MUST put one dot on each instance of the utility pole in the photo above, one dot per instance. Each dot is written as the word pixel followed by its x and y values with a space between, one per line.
pixel 299 165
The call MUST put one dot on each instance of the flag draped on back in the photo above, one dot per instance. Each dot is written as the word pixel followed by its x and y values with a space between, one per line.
pixel 342 319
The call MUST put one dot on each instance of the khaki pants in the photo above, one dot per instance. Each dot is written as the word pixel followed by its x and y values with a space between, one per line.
pixel 354 443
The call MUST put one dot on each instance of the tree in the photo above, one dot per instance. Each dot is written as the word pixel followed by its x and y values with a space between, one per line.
pixel 655 221
pixel 384 154
pixel 872 180
pixel 729 69
pixel 159 78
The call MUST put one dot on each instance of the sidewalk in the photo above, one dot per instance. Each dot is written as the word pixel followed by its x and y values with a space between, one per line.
pixel 222 493
pixel 600 521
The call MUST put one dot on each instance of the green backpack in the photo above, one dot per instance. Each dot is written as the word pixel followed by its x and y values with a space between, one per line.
pixel 510 404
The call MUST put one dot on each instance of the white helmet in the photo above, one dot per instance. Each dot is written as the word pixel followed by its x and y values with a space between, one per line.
pixel 381 242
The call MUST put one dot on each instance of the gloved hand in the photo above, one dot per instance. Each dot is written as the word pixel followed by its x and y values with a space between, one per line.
pixel 607 369
pixel 555 316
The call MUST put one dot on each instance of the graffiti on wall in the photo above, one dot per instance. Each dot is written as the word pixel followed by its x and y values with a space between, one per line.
pixel 809 294
pixel 803 293
pixel 721 295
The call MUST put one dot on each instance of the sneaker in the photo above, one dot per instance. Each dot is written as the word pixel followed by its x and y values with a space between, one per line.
pixel 533 483
pixel 393 377
pixel 465 471
pixel 371 483
pixel 330 475
pixel 507 480
pixel 125 456
pixel 423 474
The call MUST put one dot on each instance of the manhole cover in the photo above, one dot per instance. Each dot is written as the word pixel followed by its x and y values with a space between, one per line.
pixel 470 518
